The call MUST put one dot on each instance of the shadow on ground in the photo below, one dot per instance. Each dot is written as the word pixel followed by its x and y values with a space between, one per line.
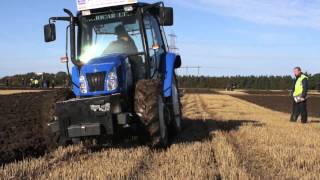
pixel 199 130
pixel 194 130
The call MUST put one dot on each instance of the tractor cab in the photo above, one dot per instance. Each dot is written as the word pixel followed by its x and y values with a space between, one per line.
pixel 121 60
pixel 107 37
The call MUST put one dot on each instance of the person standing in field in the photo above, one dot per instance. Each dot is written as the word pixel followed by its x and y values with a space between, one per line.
pixel 36 83
pixel 52 84
pixel 299 94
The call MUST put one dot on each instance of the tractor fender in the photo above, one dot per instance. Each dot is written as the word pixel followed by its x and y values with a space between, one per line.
pixel 172 62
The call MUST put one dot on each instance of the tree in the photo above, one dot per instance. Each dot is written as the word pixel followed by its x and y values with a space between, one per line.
pixel 246 82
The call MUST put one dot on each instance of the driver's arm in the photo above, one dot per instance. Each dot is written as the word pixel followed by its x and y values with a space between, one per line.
pixel 132 47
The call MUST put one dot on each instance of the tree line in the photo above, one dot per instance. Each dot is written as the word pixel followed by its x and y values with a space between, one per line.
pixel 240 82
pixel 24 80
pixel 245 82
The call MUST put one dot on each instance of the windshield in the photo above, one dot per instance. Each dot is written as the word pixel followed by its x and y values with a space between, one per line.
pixel 106 34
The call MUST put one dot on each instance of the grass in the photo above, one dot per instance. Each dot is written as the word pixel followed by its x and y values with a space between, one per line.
pixel 224 138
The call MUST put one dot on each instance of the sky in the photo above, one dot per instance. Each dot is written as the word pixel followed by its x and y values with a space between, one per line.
pixel 223 37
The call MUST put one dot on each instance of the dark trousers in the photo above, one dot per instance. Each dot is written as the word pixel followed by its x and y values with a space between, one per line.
pixel 299 109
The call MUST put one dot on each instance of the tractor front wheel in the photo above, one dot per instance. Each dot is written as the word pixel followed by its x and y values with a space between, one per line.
pixel 151 109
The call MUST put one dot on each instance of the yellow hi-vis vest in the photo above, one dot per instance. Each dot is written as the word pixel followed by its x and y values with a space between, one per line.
pixel 298 90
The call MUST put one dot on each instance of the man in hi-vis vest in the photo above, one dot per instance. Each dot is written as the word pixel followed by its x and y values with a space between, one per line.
pixel 299 94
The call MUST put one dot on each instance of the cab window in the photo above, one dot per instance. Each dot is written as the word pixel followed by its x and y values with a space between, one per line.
pixel 155 43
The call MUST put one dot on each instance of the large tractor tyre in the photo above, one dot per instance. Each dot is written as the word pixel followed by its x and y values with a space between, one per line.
pixel 176 112
pixel 150 108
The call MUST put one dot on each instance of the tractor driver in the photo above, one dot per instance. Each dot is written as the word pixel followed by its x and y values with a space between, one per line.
pixel 124 43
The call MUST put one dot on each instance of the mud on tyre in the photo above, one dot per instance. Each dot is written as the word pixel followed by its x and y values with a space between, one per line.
pixel 150 108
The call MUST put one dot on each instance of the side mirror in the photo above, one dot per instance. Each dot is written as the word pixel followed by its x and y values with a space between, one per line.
pixel 178 62
pixel 166 16
pixel 50 32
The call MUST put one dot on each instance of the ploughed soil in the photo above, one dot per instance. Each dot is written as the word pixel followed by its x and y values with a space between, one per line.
pixel 23 123
pixel 281 102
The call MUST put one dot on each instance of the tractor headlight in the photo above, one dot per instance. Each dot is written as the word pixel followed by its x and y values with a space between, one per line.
pixel 112 81
pixel 83 85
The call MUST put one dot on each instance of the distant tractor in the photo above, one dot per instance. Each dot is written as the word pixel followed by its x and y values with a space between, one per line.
pixel 124 80
pixel 231 87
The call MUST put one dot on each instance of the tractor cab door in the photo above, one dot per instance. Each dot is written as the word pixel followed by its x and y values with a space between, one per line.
pixel 155 45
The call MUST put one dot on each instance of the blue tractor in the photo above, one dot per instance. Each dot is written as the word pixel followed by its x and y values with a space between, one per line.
pixel 123 78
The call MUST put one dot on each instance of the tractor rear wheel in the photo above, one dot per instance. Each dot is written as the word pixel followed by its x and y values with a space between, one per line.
pixel 151 109
pixel 176 112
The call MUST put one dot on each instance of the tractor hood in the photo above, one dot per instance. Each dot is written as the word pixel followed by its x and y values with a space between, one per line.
pixel 109 59
pixel 93 78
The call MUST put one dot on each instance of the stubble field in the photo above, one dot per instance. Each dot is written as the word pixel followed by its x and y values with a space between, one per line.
pixel 223 137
